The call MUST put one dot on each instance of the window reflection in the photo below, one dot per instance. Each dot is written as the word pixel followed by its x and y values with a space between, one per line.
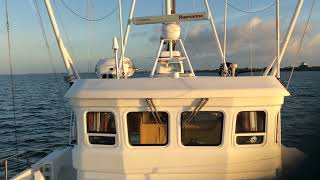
pixel 145 129
pixel 101 128
pixel 252 124
pixel 204 129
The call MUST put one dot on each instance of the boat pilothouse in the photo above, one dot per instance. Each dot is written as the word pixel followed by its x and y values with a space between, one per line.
pixel 171 125
pixel 177 128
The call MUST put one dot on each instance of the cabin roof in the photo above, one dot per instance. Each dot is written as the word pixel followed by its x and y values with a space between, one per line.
pixel 195 87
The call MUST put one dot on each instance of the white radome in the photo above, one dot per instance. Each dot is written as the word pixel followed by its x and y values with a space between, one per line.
pixel 107 67
pixel 171 31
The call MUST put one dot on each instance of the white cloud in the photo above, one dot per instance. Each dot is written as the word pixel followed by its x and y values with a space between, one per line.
pixel 314 41
pixel 203 49
pixel 255 22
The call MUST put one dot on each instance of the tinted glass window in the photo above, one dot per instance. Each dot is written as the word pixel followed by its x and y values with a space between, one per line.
pixel 101 128
pixel 204 129
pixel 251 121
pixel 102 140
pixel 250 139
pixel 253 124
pixel 144 128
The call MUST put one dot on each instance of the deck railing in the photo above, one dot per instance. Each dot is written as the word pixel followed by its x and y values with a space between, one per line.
pixel 20 157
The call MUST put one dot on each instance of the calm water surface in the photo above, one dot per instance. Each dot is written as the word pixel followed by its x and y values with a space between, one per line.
pixel 43 115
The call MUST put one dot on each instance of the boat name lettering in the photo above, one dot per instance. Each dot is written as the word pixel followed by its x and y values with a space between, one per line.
pixel 196 16
pixel 144 19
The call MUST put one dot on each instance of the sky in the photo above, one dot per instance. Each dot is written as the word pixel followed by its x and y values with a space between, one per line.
pixel 88 42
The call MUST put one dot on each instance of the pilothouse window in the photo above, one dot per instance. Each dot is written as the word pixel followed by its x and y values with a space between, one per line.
pixel 101 128
pixel 144 128
pixel 250 127
pixel 201 129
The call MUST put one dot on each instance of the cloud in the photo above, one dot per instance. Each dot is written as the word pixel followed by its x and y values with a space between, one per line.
pixel 255 22
pixel 203 49
pixel 315 41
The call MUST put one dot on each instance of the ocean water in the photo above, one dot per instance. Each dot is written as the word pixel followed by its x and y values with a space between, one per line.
pixel 42 115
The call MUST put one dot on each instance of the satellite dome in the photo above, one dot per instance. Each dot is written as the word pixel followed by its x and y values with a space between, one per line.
pixel 106 68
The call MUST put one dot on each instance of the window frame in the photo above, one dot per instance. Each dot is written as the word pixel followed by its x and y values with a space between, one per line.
pixel 87 134
pixel 264 134
pixel 277 136
pixel 126 132
pixel 73 127
pixel 179 130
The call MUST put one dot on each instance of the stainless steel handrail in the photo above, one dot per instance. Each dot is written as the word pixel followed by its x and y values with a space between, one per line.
pixel 5 161
pixel 6 169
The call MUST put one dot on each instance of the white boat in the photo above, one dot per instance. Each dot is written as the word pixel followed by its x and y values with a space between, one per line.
pixel 172 125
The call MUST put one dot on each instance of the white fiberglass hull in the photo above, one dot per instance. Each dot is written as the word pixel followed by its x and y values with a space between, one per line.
pixel 61 169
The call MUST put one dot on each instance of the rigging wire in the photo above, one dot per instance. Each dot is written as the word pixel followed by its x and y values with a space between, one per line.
pixel 250 41
pixel 65 32
pixel 188 25
pixel 12 80
pixel 89 14
pixel 35 3
pixel 87 19
pixel 44 35
pixel 301 42
pixel 162 2
pixel 252 12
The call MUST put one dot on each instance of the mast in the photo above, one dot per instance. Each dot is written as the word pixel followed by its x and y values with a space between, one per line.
pixel 68 62
pixel 121 38
pixel 174 7
pixel 225 36
pixel 126 36
pixel 216 36
pixel 168 7
pixel 169 12
pixel 286 41
pixel 278 37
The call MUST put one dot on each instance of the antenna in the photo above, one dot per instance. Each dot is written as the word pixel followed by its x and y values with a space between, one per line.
pixel 170 18
pixel 115 48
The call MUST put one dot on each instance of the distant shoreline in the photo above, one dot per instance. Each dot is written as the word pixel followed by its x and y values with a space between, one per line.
pixel 245 70
pixel 240 70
